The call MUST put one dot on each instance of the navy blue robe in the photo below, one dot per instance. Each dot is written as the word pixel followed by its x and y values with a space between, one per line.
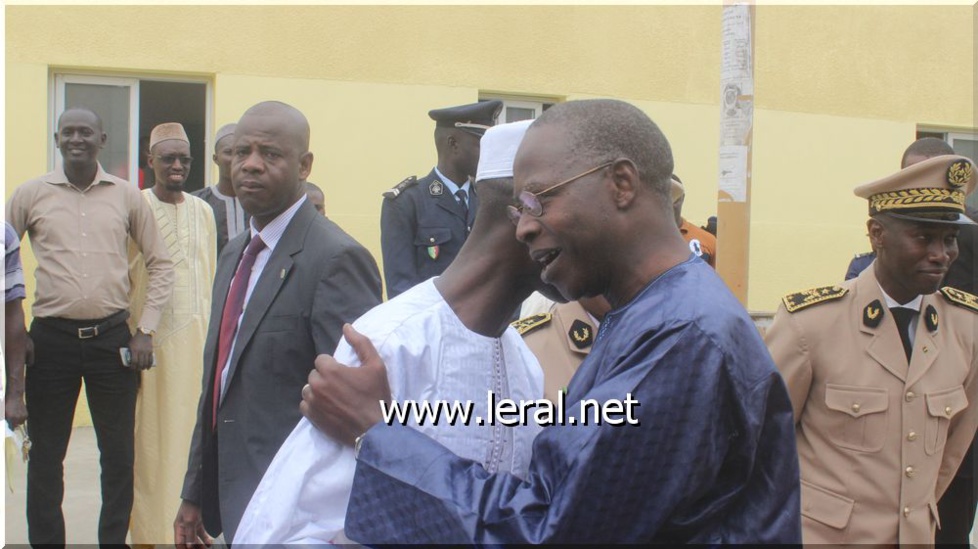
pixel 712 461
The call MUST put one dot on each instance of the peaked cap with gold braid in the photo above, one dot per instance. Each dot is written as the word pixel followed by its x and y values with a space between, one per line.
pixel 931 191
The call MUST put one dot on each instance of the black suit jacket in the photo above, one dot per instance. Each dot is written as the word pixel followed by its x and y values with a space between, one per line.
pixel 421 231
pixel 316 279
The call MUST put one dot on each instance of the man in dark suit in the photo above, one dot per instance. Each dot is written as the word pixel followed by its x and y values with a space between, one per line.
pixel 281 295
pixel 423 222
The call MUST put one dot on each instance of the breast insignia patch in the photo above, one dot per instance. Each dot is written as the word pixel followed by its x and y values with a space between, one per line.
pixel 961 299
pixel 581 334
pixel 526 325
pixel 801 300
pixel 400 187
pixel 873 314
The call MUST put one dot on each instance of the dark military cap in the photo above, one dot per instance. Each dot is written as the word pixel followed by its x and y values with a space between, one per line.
pixel 474 118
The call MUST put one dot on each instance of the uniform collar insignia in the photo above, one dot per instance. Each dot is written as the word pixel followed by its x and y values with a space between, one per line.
pixel 873 314
pixel 930 318
pixel 436 188
pixel 581 334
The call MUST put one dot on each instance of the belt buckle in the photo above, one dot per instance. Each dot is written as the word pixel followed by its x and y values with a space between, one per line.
pixel 88 333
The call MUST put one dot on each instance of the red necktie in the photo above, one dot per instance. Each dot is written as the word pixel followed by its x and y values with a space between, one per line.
pixel 232 311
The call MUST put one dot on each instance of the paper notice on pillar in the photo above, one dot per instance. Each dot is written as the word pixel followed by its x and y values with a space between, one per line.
pixel 737 112
pixel 735 60
pixel 733 173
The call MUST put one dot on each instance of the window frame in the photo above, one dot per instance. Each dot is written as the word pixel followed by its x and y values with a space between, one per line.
pixel 537 104
pixel 59 77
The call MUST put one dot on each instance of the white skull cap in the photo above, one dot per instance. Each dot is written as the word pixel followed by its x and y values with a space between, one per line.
pixel 498 149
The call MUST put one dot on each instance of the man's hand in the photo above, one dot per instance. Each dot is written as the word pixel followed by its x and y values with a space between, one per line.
pixel 188 527
pixel 141 346
pixel 15 411
pixel 344 402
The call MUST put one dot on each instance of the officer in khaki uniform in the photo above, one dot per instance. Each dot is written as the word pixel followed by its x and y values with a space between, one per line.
pixel 561 339
pixel 884 419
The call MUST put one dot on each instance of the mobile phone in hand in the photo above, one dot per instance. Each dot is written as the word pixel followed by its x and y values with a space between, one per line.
pixel 126 355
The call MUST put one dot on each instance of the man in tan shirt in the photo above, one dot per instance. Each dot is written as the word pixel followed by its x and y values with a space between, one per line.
pixel 883 369
pixel 80 220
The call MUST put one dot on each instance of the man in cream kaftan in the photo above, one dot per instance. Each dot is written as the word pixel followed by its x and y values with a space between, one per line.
pixel 166 406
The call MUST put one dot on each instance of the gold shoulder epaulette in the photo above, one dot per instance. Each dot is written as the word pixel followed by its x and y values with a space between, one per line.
pixel 960 298
pixel 400 187
pixel 530 323
pixel 801 300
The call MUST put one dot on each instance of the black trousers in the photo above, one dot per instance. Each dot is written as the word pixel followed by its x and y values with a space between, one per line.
pixel 61 361
pixel 957 505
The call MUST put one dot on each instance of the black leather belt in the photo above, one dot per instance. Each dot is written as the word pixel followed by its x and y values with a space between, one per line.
pixel 85 329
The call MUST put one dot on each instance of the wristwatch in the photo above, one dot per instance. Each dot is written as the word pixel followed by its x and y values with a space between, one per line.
pixel 146 331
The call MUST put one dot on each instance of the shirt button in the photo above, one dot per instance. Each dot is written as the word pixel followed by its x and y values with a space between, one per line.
pixel 912 436
pixel 432 239
pixel 910 472
pixel 84 234
pixel 855 408
pixel 910 396
pixel 947 411
pixel 906 511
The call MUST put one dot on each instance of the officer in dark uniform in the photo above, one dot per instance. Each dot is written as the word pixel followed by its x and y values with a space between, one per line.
pixel 859 264
pixel 424 221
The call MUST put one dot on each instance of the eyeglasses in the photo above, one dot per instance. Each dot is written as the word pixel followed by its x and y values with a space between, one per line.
pixel 530 202
pixel 169 159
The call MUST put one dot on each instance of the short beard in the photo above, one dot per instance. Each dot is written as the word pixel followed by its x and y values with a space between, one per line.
pixel 172 187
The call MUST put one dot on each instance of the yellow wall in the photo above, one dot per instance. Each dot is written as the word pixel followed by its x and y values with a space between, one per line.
pixel 840 92
pixel 806 224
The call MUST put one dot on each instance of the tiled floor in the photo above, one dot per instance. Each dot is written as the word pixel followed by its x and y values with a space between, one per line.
pixel 82 495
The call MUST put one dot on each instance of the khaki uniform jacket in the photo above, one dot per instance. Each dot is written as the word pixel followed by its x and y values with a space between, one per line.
pixel 561 340
pixel 878 439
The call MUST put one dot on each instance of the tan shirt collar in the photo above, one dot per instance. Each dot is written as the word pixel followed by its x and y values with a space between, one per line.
pixel 58 177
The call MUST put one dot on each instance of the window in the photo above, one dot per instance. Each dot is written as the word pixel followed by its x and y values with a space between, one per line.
pixel 520 108
pixel 130 108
